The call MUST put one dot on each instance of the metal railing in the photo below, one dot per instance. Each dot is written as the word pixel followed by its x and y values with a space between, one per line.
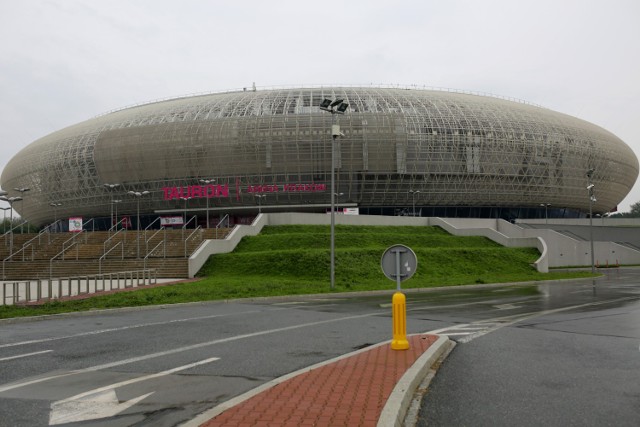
pixel 163 242
pixel 117 226
pixel 198 228
pixel 124 233
pixel 93 225
pixel 35 291
pixel 23 250
pixel 221 222
pixel 73 240
pixel 66 245
pixel 184 227
pixel 107 253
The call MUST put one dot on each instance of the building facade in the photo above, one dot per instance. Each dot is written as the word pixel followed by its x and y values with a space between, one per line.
pixel 403 150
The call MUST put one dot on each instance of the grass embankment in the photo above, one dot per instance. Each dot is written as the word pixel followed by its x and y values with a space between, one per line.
pixel 288 260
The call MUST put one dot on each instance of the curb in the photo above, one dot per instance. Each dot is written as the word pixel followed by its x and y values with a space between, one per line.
pixel 399 401
pixel 394 410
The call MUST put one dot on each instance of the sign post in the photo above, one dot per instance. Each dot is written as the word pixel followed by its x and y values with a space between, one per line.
pixel 399 263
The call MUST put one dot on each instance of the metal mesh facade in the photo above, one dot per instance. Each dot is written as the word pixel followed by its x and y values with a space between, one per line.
pixel 455 149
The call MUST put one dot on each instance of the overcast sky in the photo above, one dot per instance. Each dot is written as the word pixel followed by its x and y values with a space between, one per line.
pixel 65 61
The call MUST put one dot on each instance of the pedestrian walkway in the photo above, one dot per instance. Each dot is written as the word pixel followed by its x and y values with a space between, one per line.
pixel 358 389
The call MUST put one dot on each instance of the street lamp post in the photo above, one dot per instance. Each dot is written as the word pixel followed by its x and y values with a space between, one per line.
pixel 186 199
pixel 546 212
pixel 334 107
pixel 413 200
pixel 11 201
pixel 115 207
pixel 338 195
pixel 22 190
pixel 260 197
pixel 55 206
pixel 138 195
pixel 206 195
pixel 111 187
pixel 592 198
pixel 4 218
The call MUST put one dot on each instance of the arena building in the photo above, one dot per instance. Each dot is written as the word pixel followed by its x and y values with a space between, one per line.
pixel 401 151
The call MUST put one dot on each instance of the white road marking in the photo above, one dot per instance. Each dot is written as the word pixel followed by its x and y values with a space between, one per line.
pixel 100 405
pixel 25 355
pixel 506 306
pixel 102 402
pixel 490 325
pixel 123 328
pixel 291 303
pixel 450 334
pixel 182 349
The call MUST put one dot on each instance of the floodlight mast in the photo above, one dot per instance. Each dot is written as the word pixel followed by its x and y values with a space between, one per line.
pixel 334 107
pixel 138 195
pixel 592 198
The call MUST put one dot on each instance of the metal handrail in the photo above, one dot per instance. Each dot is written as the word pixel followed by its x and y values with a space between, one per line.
pixel 184 227
pixel 107 253
pixel 104 245
pixel 116 226
pixel 154 221
pixel 92 222
pixel 73 239
pixel 144 264
pixel 23 250
pixel 37 236
pixel 164 239
pixel 188 237
pixel 4 235
pixel 64 249
pixel 226 217
pixel 47 230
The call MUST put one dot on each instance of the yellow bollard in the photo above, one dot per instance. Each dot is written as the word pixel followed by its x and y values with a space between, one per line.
pixel 399 308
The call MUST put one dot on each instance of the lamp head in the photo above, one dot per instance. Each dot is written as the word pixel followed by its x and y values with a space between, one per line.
pixel 342 108
pixel 324 105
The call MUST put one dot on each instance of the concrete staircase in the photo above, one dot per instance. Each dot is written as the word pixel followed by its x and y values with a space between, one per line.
pixel 88 253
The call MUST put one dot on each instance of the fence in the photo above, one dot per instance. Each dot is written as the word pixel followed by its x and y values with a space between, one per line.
pixel 33 291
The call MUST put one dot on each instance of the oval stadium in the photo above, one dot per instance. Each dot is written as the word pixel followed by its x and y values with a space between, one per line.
pixel 398 151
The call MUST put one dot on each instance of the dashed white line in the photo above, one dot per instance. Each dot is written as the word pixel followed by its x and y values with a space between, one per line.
pixel 19 356
pixel 123 328
pixel 182 349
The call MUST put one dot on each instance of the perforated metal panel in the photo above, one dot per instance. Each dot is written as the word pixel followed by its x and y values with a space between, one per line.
pixel 456 149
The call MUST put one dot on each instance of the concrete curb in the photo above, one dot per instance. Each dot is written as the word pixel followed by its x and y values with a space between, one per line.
pixel 398 403
pixel 217 410
pixel 393 411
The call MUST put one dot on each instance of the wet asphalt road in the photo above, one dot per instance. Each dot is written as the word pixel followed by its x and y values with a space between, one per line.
pixel 162 366
pixel 578 367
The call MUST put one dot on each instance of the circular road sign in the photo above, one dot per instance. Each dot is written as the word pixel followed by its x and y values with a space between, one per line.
pixel 399 263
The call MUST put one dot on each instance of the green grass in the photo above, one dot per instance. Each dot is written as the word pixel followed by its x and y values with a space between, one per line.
pixel 290 260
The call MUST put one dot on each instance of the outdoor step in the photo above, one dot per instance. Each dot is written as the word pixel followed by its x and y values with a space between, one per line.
pixel 80 253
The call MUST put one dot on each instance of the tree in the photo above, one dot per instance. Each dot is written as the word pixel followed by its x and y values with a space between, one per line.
pixel 635 210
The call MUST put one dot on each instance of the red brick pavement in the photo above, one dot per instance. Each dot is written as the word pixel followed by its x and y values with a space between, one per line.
pixel 349 392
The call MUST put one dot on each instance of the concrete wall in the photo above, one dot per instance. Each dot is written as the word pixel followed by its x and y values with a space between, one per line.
pixel 566 251
pixel 489 228
pixel 597 222
pixel 220 246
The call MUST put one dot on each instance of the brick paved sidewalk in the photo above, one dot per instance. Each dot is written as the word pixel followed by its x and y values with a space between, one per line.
pixel 349 392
